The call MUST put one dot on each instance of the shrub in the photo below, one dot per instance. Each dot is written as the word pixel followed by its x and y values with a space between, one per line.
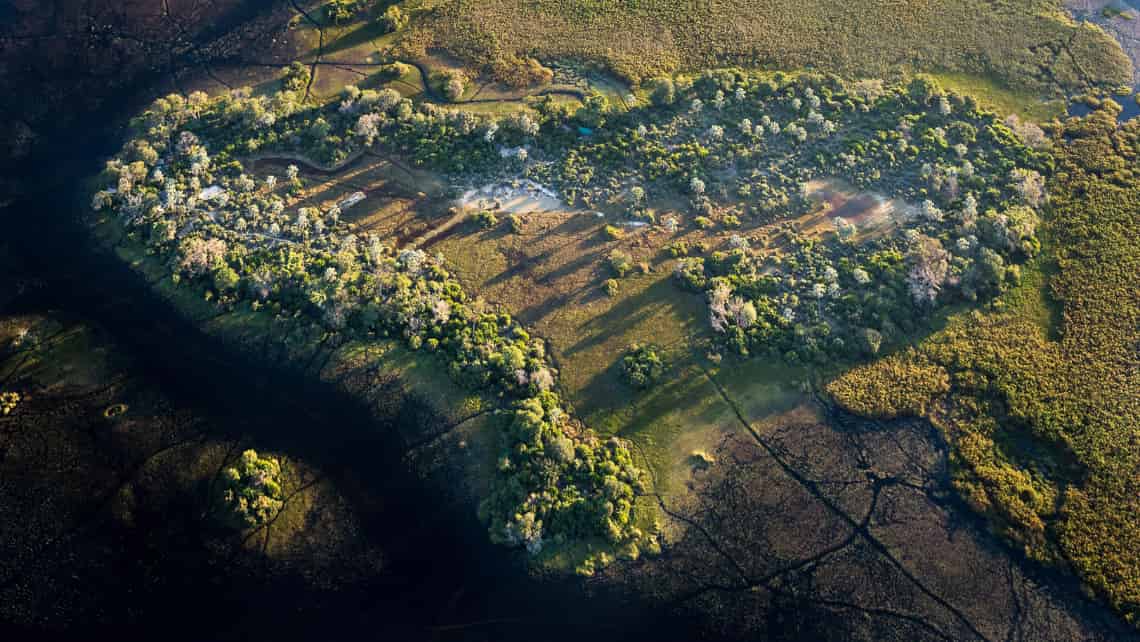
pixel 620 263
pixel 485 219
pixel 641 366
pixel 297 77
pixel 664 92
pixel 690 273
pixel 8 402
pixel 612 232
pixel 701 460
pixel 394 18
pixel 454 84
pixel 677 249
pixel 251 491
pixel 901 385
pixel 611 287
pixel 516 223
pixel 703 222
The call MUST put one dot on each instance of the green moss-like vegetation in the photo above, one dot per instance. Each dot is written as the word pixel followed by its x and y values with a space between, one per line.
pixel 900 385
pixel 1045 429
pixel 1011 41
pixel 766 268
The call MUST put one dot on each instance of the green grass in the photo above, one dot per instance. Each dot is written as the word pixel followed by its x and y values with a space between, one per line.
pixel 559 297
pixel 1001 99
pixel 1009 40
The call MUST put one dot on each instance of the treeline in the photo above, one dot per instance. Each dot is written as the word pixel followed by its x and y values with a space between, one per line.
pixel 180 190
pixel 743 148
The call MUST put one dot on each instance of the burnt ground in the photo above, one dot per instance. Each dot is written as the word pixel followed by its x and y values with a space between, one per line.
pixel 106 514
pixel 67 60
pixel 819 528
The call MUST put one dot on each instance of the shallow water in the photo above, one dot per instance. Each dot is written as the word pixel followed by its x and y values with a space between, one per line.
pixel 1129 103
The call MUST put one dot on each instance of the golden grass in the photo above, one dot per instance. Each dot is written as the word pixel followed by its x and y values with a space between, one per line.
pixel 1009 39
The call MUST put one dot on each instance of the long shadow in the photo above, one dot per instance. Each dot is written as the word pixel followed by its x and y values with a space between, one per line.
pixel 629 313
pixel 437 551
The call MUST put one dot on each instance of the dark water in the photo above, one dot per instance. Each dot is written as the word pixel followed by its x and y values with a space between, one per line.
pixel 440 569
pixel 1129 103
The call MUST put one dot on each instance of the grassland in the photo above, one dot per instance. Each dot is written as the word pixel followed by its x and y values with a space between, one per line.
pixel 1030 44
pixel 550 277
pixel 1044 401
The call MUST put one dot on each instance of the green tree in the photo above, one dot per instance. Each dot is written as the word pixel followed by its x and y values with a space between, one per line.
pixel 664 92
pixel 251 491
pixel 642 366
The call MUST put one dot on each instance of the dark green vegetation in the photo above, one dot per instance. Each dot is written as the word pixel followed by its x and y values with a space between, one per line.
pixel 180 190
pixel 641 366
pixel 810 222
pixel 1022 43
pixel 748 153
pixel 250 491
pixel 1043 411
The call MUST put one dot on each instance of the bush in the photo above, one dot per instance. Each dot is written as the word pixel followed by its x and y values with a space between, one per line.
pixel 664 92
pixel 690 274
pixel 612 232
pixel 905 386
pixel 677 249
pixel 701 460
pixel 251 492
pixel 454 84
pixel 703 222
pixel 485 219
pixel 611 287
pixel 641 366
pixel 394 19
pixel 620 263
pixel 8 402
pixel 516 223
pixel 297 77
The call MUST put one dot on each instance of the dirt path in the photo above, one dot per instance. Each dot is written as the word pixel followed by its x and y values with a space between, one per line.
pixel 424 239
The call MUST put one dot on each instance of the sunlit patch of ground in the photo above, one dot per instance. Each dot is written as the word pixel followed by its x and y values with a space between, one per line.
pixel 871 213
pixel 516 197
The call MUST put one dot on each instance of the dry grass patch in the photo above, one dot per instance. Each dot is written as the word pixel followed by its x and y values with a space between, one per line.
pixel 1012 40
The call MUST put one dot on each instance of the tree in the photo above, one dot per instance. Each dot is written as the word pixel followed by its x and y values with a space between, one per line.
pixel 297 77
pixel 454 84
pixel 664 92
pixel 1030 185
pixel 641 366
pixel 871 340
pixel 394 18
pixel 929 267
pixel 251 492
pixel 592 113
pixel 368 127
pixel 696 186
pixel 339 11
